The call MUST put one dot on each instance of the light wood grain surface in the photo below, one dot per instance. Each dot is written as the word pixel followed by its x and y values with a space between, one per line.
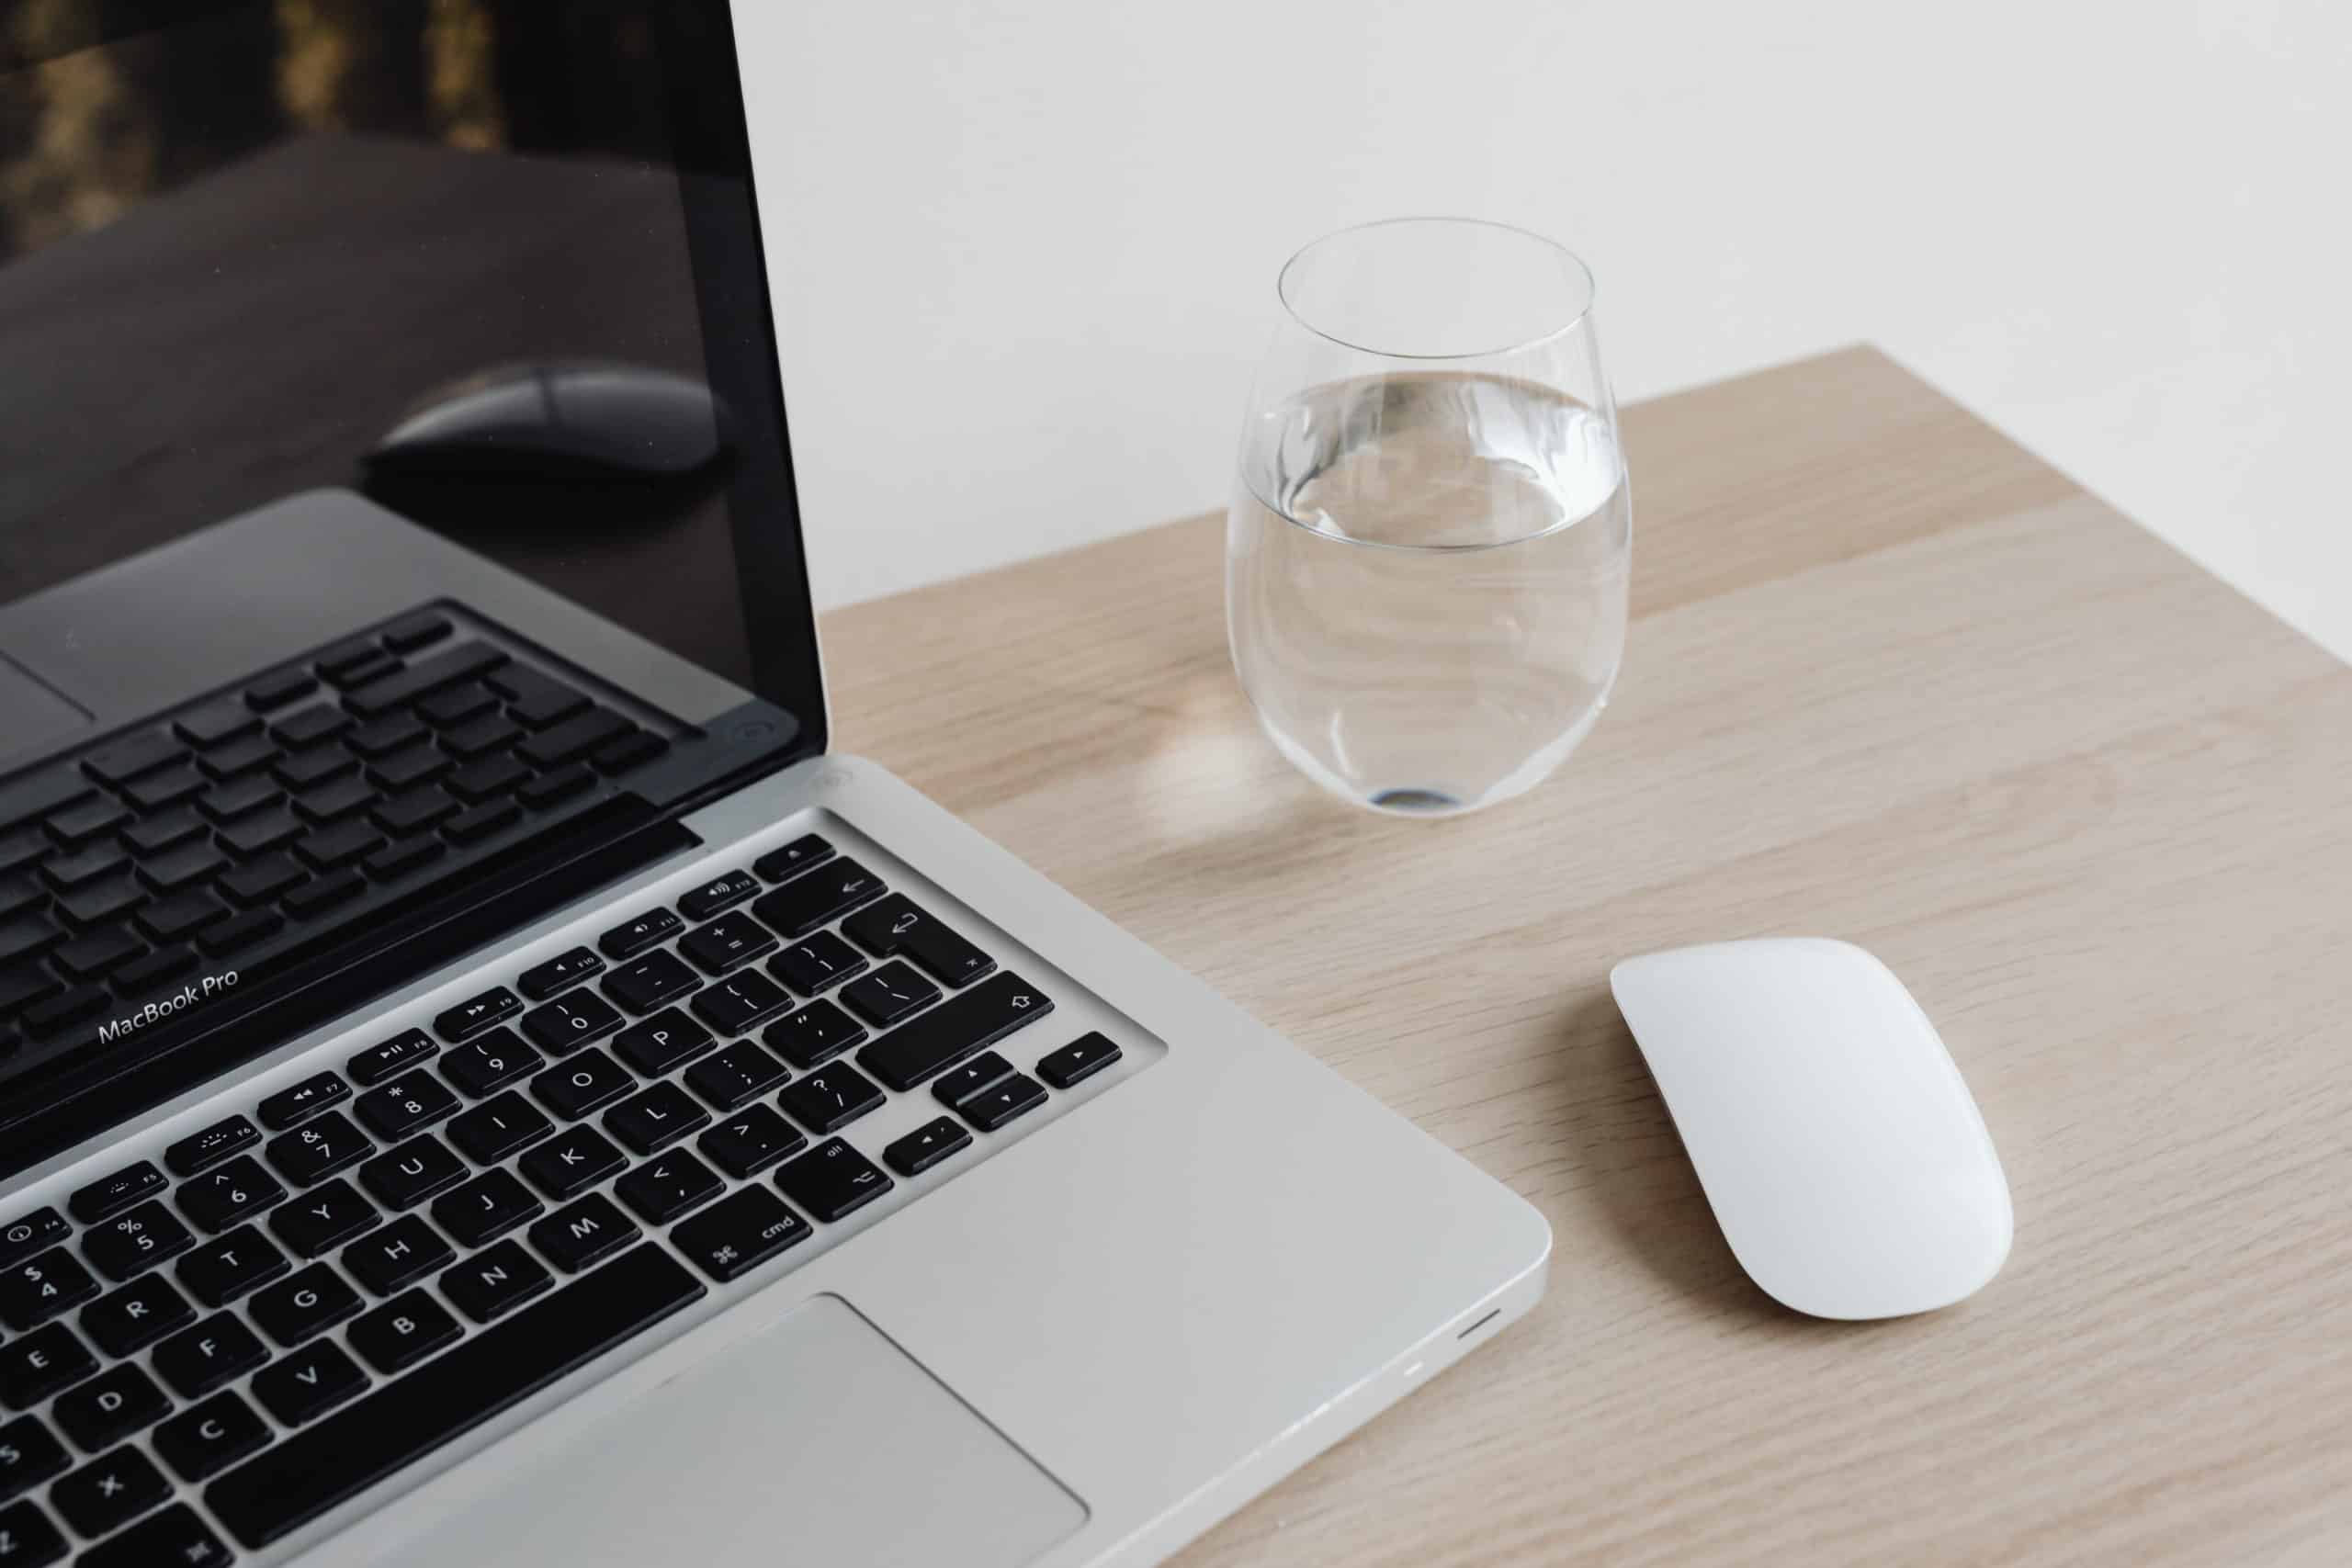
pixel 1889 677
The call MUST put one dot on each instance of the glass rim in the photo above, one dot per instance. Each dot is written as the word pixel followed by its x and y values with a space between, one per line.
pixel 1575 318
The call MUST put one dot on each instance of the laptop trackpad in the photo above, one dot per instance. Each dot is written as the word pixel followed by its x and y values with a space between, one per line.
pixel 815 1440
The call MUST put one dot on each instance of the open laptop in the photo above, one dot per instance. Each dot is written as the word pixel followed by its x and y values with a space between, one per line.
pixel 480 1081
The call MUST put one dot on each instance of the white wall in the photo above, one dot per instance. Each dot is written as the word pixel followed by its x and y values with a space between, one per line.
pixel 1025 252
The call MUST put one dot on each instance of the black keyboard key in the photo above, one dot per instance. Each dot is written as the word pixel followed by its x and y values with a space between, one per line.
pixel 934 1141
pixel 129 759
pixel 572 1162
pixel 898 927
pixel 109 1492
pixel 109 1408
pixel 109 1196
pixel 126 1321
pixel 667 1186
pixel 180 916
pixel 800 907
pixel 727 944
pixel 558 973
pixel 88 957
pixel 375 667
pixel 399 859
pixel 734 1237
pixel 953 1089
pixel 658 1044
pixel 488 777
pixel 472 827
pixel 36 1232
pixel 961 1027
pixel 470 1018
pixel 1003 1101
pixel 536 699
pixel 216 1352
pixel 54 1016
pixel 308 727
pixel 463 661
pixel 336 887
pixel 587 1082
pixel 78 870
pixel 175 1536
pixel 830 1097
pixel 491 1062
pixel 202 1150
pixel 310 1303
pixel 378 1063
pixel 889 994
pixel 37 1289
pixel 650 930
pixel 261 880
pixel 1078 1060
pixel 274 1494
pixel 649 982
pixel 741 1003
pixel 486 1208
pixel 386 736
pixel 498 1127
pixel 169 787
pixel 239 932
pixel 153 835
pixel 335 799
pixel 307 1383
pixel 414 812
pixel 750 1141
pixel 817 963
pixel 572 739
pixel 549 788
pixel 28 1456
pixel 238 757
pixel 397 1255
pixel 236 1191
pixel 277 691
pixel 655 1118
pixel 795 857
pixel 818 1032
pixel 309 770
pixel 226 803
pixel 340 660
pixel 211 725
pixel 583 1234
pixel 632 749
pixel 23 800
pixel 404 1177
pixel 456 705
pixel 323 1218
pixel 402 1332
pixel 25 988
pixel 399 1108
pixel 27 936
pixel 406 770
pixel 494 1282
pixel 564 1025
pixel 38 1364
pixel 132 1242
pixel 33 1541
pixel 333 847
pixel 107 899
pixel 421 630
pixel 202 1442
pixel 219 1271
pixel 142 975
pixel 722 892
pixel 77 825
pixel 736 1075
pixel 832 1181
pixel 292 1106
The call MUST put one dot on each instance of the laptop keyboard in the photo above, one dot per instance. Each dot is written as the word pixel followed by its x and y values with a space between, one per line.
pixel 307 1295
pixel 258 819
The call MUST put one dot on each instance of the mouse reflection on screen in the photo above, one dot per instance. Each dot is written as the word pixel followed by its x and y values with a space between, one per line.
pixel 567 421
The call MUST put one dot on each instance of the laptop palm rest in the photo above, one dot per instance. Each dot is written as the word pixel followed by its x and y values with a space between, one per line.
pixel 815 1440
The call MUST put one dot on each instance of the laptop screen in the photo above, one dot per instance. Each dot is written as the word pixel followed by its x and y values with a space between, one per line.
pixel 245 241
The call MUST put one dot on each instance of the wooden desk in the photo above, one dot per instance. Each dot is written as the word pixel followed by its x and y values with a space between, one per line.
pixel 1889 677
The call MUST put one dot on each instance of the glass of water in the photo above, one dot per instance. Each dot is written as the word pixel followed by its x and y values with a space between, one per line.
pixel 1430 535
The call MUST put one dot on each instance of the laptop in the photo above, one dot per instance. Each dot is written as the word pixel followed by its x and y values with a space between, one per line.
pixel 480 1079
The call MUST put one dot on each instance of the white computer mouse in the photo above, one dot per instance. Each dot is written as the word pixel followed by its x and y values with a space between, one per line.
pixel 1844 1157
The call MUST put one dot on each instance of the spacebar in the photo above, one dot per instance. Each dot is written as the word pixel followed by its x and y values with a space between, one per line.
pixel 322 1465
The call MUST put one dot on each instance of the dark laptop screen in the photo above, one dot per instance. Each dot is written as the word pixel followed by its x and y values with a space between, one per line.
pixel 242 241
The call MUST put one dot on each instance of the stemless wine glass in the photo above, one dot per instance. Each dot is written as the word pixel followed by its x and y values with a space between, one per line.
pixel 1430 535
